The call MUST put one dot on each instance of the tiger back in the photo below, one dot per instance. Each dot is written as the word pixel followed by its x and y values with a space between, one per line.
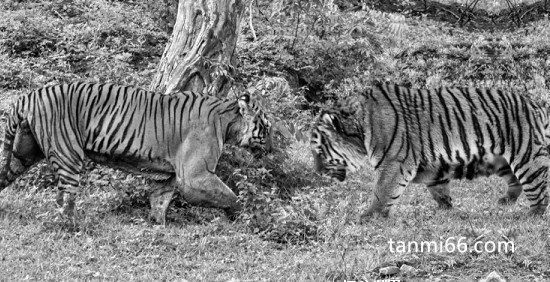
pixel 180 135
pixel 434 135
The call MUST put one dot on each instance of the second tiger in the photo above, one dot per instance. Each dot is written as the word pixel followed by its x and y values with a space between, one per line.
pixel 434 135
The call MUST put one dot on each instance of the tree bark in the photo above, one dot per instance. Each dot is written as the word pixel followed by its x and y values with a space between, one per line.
pixel 201 53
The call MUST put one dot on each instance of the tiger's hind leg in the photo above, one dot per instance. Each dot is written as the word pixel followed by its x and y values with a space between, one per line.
pixel 67 185
pixel 68 181
pixel 514 188
pixel 496 164
pixel 393 178
pixel 533 175
pixel 67 162
pixel 160 199
pixel 19 154
pixel 441 193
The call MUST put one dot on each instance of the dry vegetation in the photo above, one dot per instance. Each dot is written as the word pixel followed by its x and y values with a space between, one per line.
pixel 297 226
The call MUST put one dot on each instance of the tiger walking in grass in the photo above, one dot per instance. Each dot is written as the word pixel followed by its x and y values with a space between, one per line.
pixel 180 136
pixel 433 135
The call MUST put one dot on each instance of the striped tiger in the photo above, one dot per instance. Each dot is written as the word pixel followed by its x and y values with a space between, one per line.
pixel 178 136
pixel 433 135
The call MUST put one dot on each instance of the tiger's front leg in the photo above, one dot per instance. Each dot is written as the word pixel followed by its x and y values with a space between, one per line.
pixel 160 199
pixel 207 190
pixel 195 164
pixel 67 186
pixel 67 161
pixel 393 177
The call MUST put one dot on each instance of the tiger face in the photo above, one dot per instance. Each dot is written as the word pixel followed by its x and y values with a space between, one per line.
pixel 336 148
pixel 256 128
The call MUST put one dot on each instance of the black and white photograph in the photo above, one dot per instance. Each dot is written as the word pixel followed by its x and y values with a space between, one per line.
pixel 274 140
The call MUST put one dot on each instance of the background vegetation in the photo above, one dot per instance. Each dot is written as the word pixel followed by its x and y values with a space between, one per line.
pixel 296 57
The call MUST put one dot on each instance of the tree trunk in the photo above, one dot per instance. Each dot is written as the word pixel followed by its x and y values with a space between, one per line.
pixel 201 53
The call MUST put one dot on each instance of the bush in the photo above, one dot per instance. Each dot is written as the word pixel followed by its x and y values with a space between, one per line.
pixel 269 189
pixel 64 41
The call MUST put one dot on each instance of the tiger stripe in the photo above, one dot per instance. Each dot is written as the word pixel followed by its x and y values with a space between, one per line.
pixel 433 135
pixel 180 135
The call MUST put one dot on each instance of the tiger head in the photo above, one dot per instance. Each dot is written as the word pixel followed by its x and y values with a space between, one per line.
pixel 256 128
pixel 337 148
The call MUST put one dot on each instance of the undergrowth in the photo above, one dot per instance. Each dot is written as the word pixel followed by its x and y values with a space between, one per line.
pixel 306 55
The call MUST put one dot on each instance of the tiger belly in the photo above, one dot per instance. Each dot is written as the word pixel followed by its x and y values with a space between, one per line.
pixel 437 178
pixel 156 169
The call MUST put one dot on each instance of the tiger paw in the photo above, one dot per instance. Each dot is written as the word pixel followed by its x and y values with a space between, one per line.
pixel 373 213
pixel 506 200
pixel 364 218
pixel 65 212
pixel 157 216
pixel 68 205
pixel 233 213
pixel 445 203
pixel 536 211
pixel 59 199
pixel 3 184
pixel 69 210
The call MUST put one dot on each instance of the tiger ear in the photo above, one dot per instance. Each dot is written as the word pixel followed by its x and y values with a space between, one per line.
pixel 245 98
pixel 356 107
pixel 327 118
pixel 332 120
pixel 353 106
pixel 244 104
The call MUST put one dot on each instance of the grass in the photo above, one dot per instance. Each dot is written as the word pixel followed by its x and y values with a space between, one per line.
pixel 111 240
pixel 109 243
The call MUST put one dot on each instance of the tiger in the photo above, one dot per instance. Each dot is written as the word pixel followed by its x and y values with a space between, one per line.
pixel 174 139
pixel 431 136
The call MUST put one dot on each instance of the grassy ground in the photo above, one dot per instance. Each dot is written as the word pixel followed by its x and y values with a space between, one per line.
pixel 48 42
pixel 112 243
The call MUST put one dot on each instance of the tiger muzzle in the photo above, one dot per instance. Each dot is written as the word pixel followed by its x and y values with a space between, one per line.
pixel 257 146
pixel 245 142
pixel 333 172
pixel 338 174
pixel 318 162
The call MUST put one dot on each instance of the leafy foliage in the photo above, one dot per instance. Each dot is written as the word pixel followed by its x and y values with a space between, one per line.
pixel 63 41
pixel 305 56
pixel 267 191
